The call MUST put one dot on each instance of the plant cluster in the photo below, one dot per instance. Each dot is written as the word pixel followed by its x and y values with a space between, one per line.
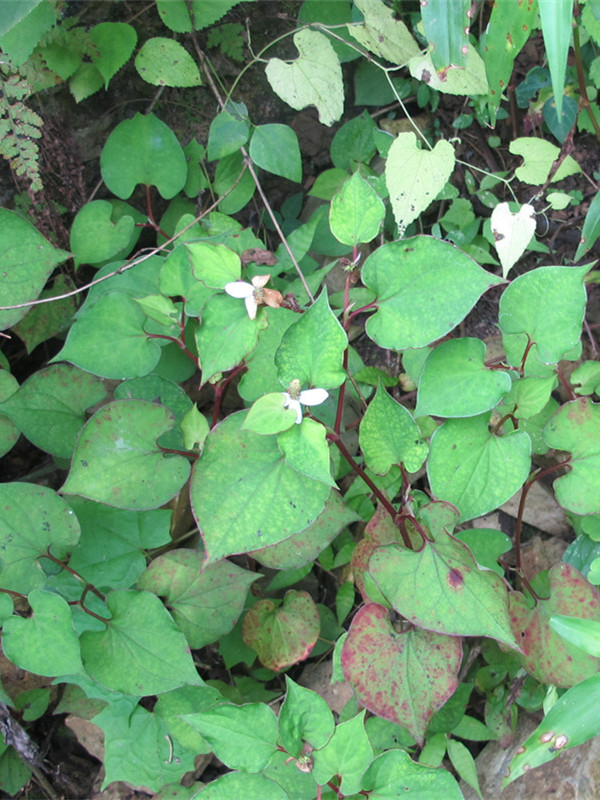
pixel 236 481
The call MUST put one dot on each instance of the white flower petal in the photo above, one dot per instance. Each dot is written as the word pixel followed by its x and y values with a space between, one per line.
pixel 289 402
pixel 313 397
pixel 258 281
pixel 239 289
pixel 251 306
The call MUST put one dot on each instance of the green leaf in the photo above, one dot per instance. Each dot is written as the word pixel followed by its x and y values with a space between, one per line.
pixel 306 450
pixel 529 396
pixel 461 364
pixel 34 520
pixel 268 415
pixel 143 150
pixel 261 376
pixel 356 212
pixel 275 148
pixel 153 656
pixel 240 784
pixel 447 31
pixel 97 237
pixel 382 34
pixel 521 315
pixel 44 643
pixel 11 13
pixel 474 469
pixel 424 288
pixel 404 677
pixel 314 78
pixel 586 378
pixel 298 359
pixel 109 340
pixel 415 176
pixel 110 553
pixel 571 721
pixel 49 407
pixel 487 545
pixel 21 37
pixel 576 428
pixel 165 62
pixel 440 588
pixel 354 143
pixel 228 132
pixel 393 774
pixel 48 320
pixel 226 335
pixel 139 747
pixel 303 548
pixel 115 42
pixel 282 635
pixel 244 494
pixel 583 633
pixel 348 753
pixel 27 262
pixel 205 603
pixel 539 156
pixel 242 737
pixel 8 432
pixel 464 764
pixel 194 427
pixel 171 706
pixel 117 461
pixel 389 435
pixel 557 20
pixel 213 264
pixel 304 717
pixel 208 11
pixel 85 82
pixel 546 655
pixel 591 228
pixel 175 15
pixel 508 30
pixel 234 183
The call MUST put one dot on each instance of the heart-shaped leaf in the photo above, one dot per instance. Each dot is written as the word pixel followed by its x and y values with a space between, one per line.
pixel 415 176
pixel 297 359
pixel 46 642
pixel 314 78
pixel 34 520
pixel 524 312
pixel 401 676
pixel 27 262
pixel 474 469
pixel 242 737
pixel 117 461
pixel 356 212
pixel 49 408
pixel 460 363
pixel 512 233
pixel 424 288
pixel 246 496
pixel 394 773
pixel 96 236
pixel 282 635
pixel 440 586
pixel 304 717
pixel 143 150
pixel 389 435
pixel 205 604
pixel 576 428
pixel 153 654
pixel 546 655
pixel 108 339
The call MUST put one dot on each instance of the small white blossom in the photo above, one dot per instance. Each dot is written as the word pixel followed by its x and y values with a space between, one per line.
pixel 295 399
pixel 251 293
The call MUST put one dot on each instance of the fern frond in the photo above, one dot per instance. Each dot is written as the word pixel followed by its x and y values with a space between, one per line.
pixel 20 126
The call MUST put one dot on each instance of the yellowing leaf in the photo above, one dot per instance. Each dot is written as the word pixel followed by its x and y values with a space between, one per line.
pixel 313 79
pixel 539 155
pixel 415 177
pixel 512 233
pixel 470 79
pixel 382 34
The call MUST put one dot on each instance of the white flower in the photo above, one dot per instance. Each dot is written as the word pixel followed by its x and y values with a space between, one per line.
pixel 254 293
pixel 309 397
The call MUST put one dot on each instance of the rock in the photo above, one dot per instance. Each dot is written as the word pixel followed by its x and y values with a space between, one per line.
pixel 573 775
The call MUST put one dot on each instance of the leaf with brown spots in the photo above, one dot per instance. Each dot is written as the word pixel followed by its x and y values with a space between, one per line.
pixel 546 655
pixel 404 677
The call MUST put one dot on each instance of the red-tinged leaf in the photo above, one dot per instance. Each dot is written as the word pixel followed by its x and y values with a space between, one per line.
pixel 439 586
pixel 403 677
pixel 380 530
pixel 546 655
pixel 282 635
